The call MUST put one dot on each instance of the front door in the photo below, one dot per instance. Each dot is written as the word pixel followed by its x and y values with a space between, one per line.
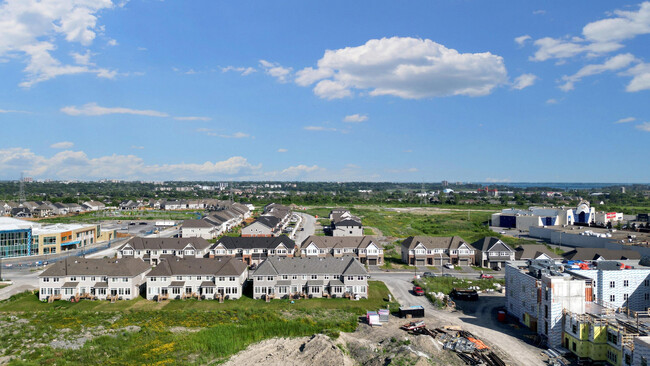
pixel 188 290
pixel 113 292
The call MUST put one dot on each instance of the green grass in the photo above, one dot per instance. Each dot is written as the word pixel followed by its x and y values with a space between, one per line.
pixel 368 231
pixel 446 284
pixel 223 329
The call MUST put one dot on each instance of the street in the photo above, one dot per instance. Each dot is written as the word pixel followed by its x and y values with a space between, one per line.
pixel 309 225
pixel 478 319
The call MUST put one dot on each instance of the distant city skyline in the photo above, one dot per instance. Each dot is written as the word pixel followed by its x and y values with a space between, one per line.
pixel 372 91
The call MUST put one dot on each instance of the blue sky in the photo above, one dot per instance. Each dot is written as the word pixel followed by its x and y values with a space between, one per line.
pixel 339 91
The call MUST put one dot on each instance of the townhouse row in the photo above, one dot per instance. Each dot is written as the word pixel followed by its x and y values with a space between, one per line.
pixel 201 278
pixel 254 250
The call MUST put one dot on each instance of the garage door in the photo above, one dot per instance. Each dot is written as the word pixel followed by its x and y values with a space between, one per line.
pixel 419 262
pixel 372 262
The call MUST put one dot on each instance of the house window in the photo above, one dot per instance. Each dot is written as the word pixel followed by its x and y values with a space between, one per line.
pixel 625 297
pixel 612 284
pixel 646 297
pixel 153 279
pixel 179 278
pixel 269 278
pixel 612 298
pixel 231 279
pixel 285 277
pixel 314 277
pixel 222 279
pixel 626 283
pixel 646 283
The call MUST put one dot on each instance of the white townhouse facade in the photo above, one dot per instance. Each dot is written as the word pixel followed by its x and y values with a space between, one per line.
pixel 310 277
pixel 435 250
pixel 366 249
pixel 74 278
pixel 205 278
pixel 151 250
pixel 199 229
pixel 254 250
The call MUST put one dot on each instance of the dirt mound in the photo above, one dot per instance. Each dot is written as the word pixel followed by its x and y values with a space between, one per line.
pixel 315 350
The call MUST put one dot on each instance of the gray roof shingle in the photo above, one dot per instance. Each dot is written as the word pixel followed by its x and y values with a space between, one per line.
pixel 346 265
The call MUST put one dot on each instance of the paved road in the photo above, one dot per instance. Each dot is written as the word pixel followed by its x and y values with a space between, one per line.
pixel 309 223
pixel 23 280
pixel 478 320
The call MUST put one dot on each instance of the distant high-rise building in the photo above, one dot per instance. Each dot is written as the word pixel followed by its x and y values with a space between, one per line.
pixel 623 190
pixel 445 183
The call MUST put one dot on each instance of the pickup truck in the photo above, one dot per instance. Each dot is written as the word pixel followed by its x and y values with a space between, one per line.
pixel 418 291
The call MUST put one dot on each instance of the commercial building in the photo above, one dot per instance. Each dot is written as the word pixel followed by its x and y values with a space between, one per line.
pixel 75 278
pixel 20 238
pixel 534 216
pixel 310 277
pixel 205 278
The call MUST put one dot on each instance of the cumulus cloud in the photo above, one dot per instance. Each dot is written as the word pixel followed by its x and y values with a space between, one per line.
pixel 293 171
pixel 241 70
pixel 524 81
pixel 614 63
pixel 645 126
pixel 112 42
pixel 408 68
pixel 31 28
pixel 282 150
pixel 92 109
pixel 598 37
pixel 62 145
pixel 552 101
pixel 355 118
pixel 626 120
pixel 274 69
pixel 77 165
pixel 521 40
pixel 640 77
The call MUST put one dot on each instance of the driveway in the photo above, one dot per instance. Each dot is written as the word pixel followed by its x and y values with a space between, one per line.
pixel 23 280
pixel 309 225
pixel 479 319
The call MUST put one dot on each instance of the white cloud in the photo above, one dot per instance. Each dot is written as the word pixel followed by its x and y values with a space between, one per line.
pixel 524 81
pixel 297 170
pixel 625 25
pixel 82 59
pixel 319 128
pixel 614 63
pixel 11 111
pixel 539 12
pixel 112 43
pixel 282 150
pixel 242 70
pixel 92 109
pixel 641 77
pixel 31 28
pixel 598 37
pixel 399 171
pixel 405 67
pixel 236 135
pixel 552 101
pixel 626 120
pixel 274 69
pixel 645 126
pixel 355 118
pixel 192 118
pixel 521 40
pixel 62 145
pixel 77 165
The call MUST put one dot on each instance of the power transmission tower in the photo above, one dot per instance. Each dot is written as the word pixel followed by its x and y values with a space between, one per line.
pixel 21 192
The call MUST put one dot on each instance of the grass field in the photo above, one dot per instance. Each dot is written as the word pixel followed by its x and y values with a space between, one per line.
pixel 446 284
pixel 174 332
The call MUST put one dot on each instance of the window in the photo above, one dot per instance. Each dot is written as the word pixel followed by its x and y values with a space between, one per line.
pixel 314 277
pixel 646 297
pixel 612 284
pixel 198 278
pixel 285 277
pixel 179 278
pixel 73 278
pixel 626 283
pixel 222 278
pixel 612 298
pixel 153 279
pixel 232 279
pixel 269 278
pixel 573 346
pixel 625 297
pixel 646 283
pixel 574 329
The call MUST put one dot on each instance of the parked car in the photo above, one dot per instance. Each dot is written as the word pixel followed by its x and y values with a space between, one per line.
pixel 464 294
pixel 429 274
pixel 418 291
pixel 485 276
pixel 449 266
pixel 497 268
pixel 447 275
